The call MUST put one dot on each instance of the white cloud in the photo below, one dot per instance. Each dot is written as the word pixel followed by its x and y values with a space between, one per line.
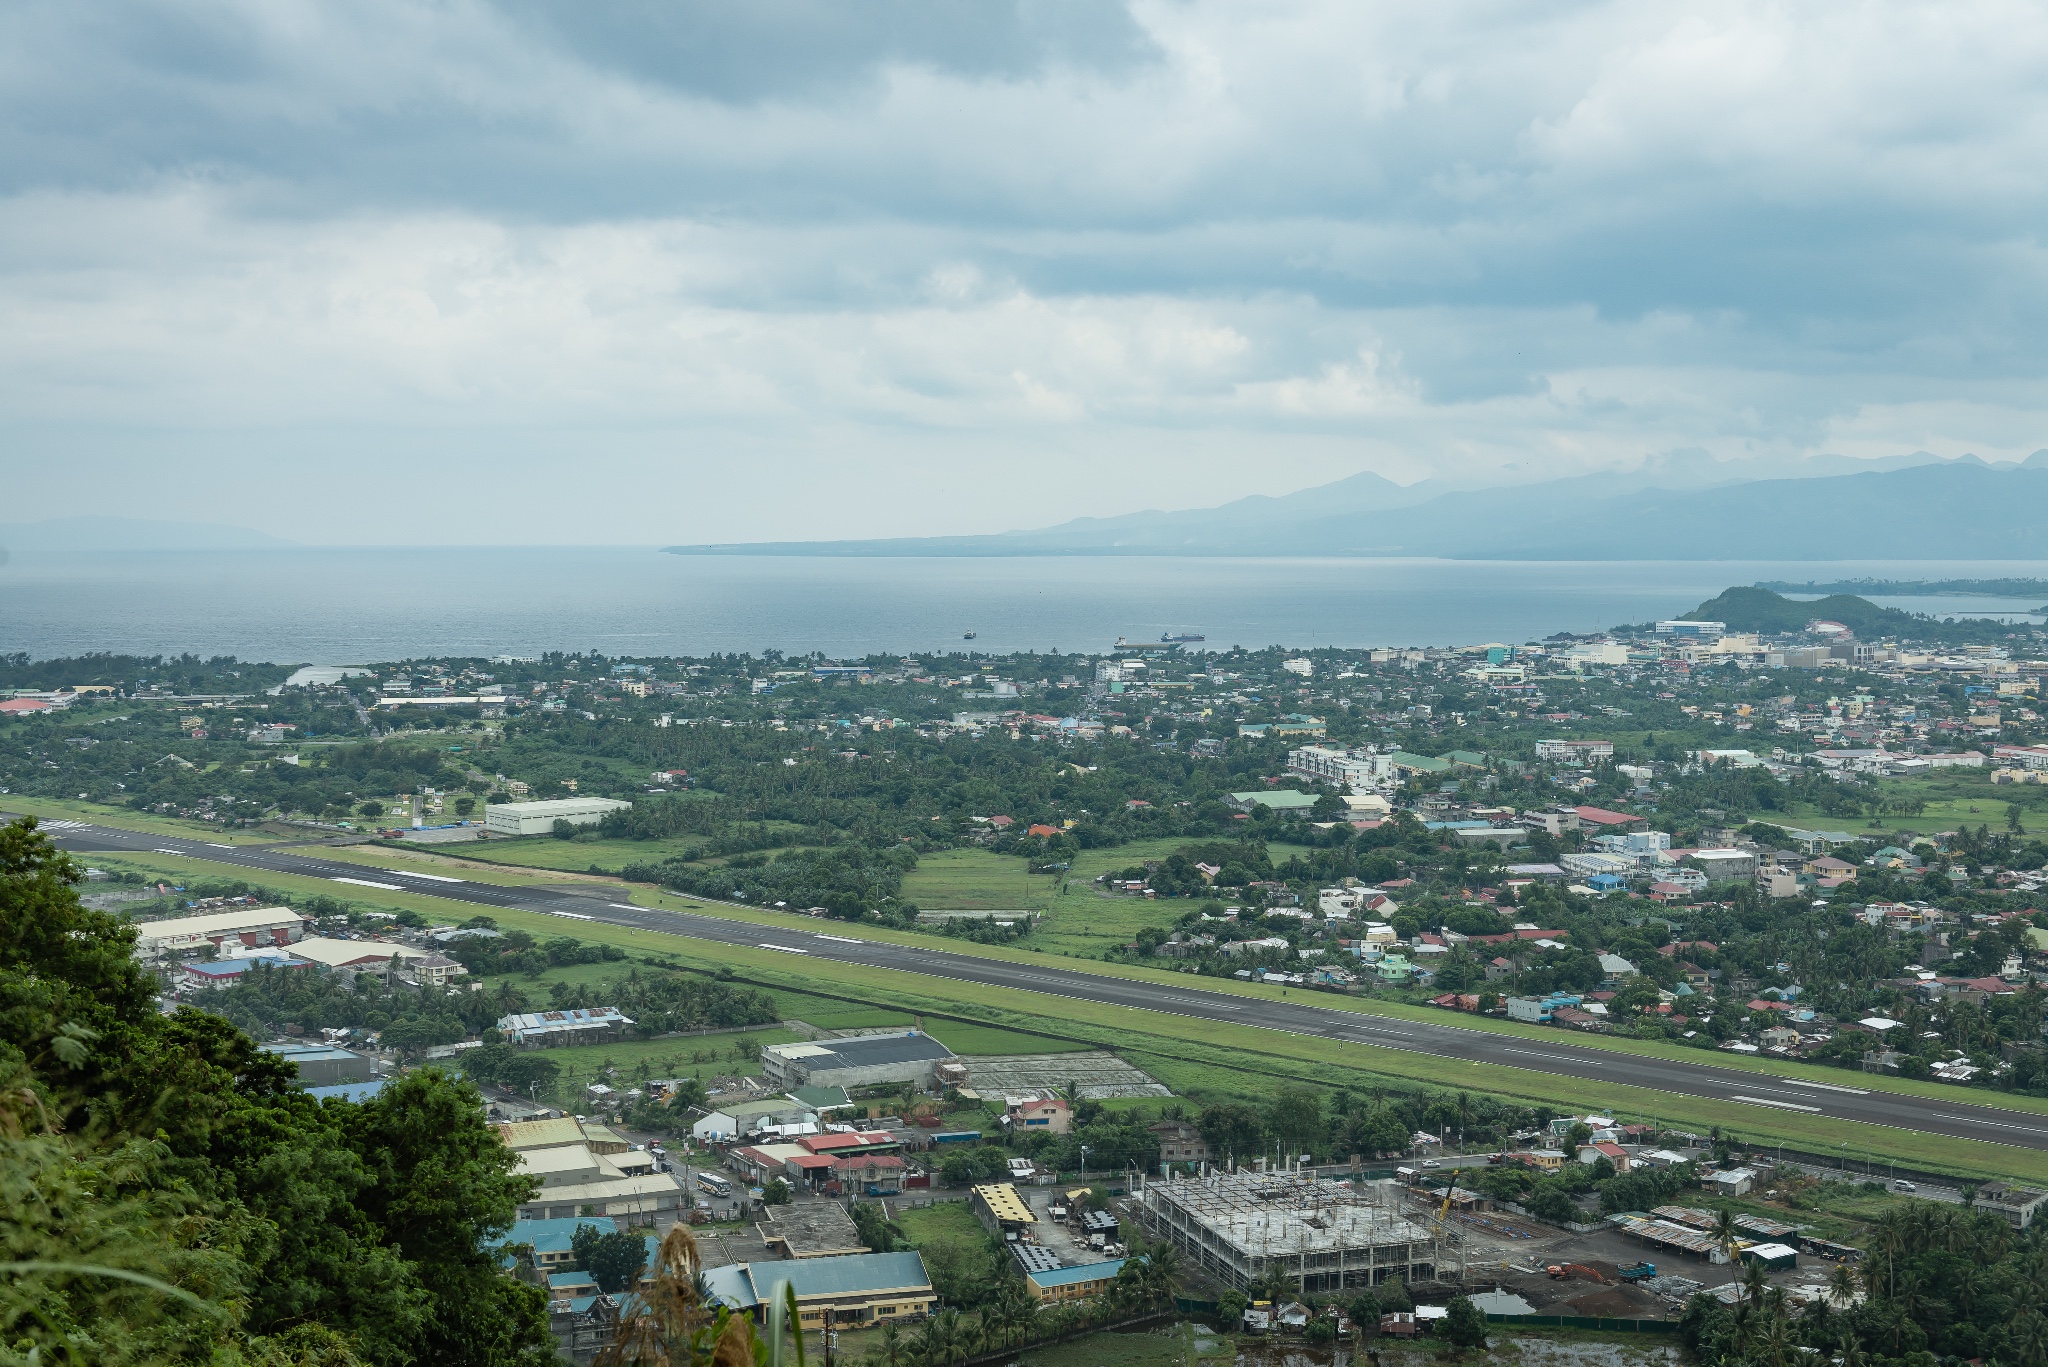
pixel 860 281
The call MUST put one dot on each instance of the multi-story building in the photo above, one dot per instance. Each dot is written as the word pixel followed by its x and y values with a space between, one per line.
pixel 1359 770
pixel 1239 1227
pixel 1575 751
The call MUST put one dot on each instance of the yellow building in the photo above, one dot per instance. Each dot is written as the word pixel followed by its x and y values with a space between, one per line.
pixel 997 1205
pixel 857 1289
pixel 1073 1283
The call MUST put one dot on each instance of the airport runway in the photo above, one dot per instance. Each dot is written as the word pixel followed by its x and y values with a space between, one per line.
pixel 590 902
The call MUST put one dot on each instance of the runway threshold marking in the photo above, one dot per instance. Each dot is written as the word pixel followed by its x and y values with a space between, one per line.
pixel 1993 1124
pixel 1823 1086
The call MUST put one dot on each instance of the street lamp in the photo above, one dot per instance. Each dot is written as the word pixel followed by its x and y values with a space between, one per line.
pixel 1085 1151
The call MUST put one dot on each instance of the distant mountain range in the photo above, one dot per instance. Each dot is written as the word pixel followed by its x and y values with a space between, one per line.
pixel 1907 508
pixel 97 535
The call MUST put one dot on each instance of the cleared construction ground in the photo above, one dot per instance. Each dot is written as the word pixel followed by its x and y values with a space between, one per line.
pixel 1094 1075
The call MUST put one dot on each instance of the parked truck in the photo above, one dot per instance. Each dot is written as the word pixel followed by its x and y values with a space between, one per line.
pixel 1641 1272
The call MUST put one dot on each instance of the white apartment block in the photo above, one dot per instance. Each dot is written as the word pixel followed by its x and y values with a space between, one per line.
pixel 1359 770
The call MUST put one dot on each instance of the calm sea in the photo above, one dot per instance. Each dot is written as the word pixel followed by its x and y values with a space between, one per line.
pixel 339 606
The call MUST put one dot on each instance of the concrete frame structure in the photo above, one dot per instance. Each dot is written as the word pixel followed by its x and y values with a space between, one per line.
pixel 1327 1236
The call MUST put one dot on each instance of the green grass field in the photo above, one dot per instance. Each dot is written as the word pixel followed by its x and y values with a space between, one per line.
pixel 1168 1347
pixel 705 1056
pixel 1955 798
pixel 1083 922
pixel 57 809
pixel 942 1222
pixel 575 856
pixel 976 880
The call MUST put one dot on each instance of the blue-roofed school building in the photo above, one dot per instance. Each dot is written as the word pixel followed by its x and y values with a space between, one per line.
pixel 848 1291
pixel 551 1240
pixel 1073 1283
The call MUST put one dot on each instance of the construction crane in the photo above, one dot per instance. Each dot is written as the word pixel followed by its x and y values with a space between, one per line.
pixel 1442 1221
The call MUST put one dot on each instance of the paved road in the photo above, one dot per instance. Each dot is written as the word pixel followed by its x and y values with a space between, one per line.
pixel 1451 1043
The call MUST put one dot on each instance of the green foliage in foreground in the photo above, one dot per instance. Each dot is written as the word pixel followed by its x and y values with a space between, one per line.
pixel 1938 1284
pixel 182 1200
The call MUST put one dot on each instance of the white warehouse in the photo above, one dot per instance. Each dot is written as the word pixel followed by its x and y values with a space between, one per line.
pixel 539 818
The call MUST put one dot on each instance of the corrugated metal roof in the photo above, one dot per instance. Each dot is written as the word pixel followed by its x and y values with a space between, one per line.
pixel 1086 1272
pixel 849 1274
pixel 1005 1204
pixel 869 1051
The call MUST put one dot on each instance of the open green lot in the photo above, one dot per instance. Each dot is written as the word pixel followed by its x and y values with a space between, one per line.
pixel 942 1222
pixel 1084 921
pixel 1166 1347
pixel 976 880
pixel 1954 798
pixel 704 1056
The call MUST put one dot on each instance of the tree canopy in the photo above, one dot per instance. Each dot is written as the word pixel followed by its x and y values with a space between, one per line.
pixel 187 1202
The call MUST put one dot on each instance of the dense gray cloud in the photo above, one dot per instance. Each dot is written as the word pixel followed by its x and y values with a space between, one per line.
pixel 802 268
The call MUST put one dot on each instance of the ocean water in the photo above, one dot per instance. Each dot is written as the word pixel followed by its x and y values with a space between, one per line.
pixel 342 606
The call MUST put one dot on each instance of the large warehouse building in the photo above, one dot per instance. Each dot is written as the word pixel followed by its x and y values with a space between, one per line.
pixel 539 818
pixel 1325 1236
pixel 247 927
pixel 857 1061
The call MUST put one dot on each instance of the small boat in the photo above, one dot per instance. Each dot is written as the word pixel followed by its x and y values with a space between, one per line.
pixel 969 636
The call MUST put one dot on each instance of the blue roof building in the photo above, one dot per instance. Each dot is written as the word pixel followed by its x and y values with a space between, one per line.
pixel 1074 1283
pixel 853 1289
pixel 551 1240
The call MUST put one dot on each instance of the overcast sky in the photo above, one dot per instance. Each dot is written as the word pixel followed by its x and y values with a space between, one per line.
pixel 679 271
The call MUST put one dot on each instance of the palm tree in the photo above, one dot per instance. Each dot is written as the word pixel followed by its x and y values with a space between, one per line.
pixel 890 1352
pixel 1743 1331
pixel 673 1324
pixel 1754 1284
pixel 1725 1232
pixel 933 1349
pixel 1777 1341
pixel 1842 1286
pixel 2030 1340
pixel 1889 1236
pixel 1969 1284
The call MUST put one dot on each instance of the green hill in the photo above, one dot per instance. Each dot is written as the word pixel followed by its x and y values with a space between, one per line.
pixel 1753 609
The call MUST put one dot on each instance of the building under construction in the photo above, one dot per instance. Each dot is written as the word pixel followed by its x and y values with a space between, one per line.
pixel 1324 1236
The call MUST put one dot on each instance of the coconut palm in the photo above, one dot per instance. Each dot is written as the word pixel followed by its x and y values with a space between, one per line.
pixel 673 1324
pixel 1743 1332
pixel 1890 1237
pixel 1842 1286
pixel 1725 1232
pixel 2030 1340
pixel 1777 1346
pixel 1754 1284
